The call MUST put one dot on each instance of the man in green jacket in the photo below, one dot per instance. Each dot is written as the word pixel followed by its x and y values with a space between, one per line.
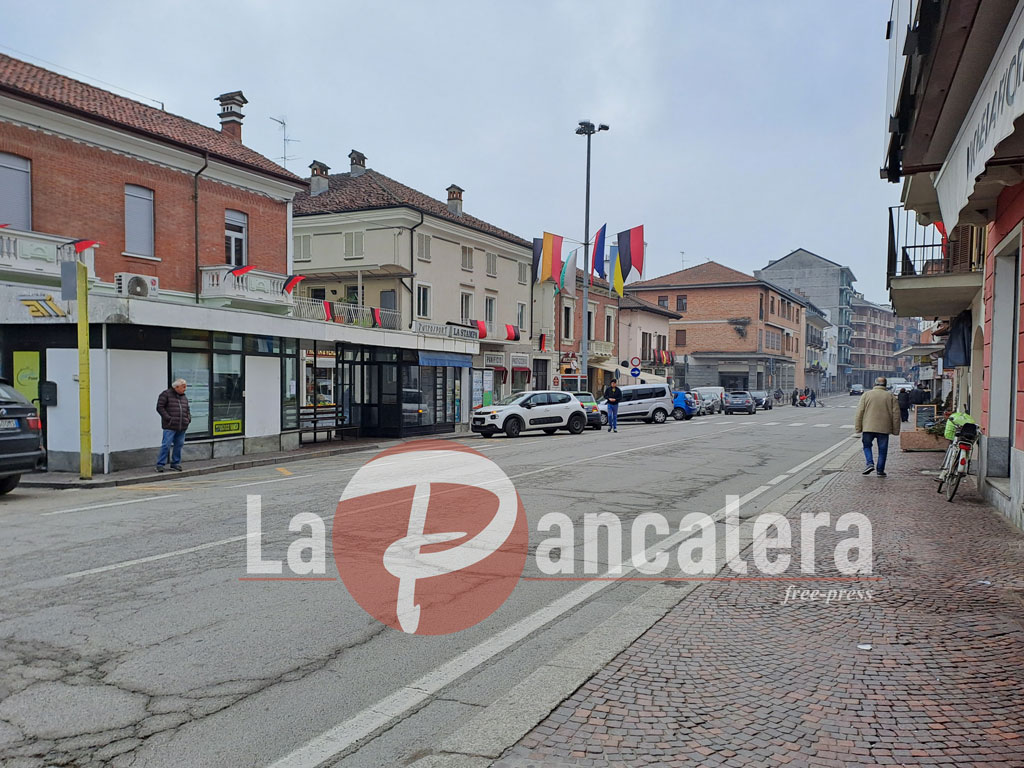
pixel 878 416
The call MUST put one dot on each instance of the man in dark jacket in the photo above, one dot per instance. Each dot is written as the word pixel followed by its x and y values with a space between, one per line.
pixel 613 395
pixel 175 416
pixel 904 402
pixel 919 396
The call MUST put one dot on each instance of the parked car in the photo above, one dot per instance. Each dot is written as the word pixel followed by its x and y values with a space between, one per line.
pixel 763 399
pixel 717 392
pixel 548 410
pixel 685 407
pixel 590 406
pixel 21 447
pixel 712 402
pixel 698 404
pixel 857 389
pixel 650 402
pixel 740 401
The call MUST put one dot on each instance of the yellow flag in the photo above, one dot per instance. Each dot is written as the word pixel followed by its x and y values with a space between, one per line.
pixel 617 280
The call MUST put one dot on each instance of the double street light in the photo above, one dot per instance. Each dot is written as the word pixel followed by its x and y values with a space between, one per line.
pixel 588 129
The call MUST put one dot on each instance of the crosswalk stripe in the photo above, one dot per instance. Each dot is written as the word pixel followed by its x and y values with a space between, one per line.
pixel 847 426
pixel 823 425
pixel 797 424
pixel 770 423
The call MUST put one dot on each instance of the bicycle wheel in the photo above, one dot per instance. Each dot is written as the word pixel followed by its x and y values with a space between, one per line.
pixel 954 483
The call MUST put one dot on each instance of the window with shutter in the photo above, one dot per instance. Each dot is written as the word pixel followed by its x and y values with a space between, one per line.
pixel 680 338
pixel 524 274
pixel 16 191
pixel 492 265
pixel 138 221
pixel 303 249
pixel 353 245
pixel 467 258
pixel 422 246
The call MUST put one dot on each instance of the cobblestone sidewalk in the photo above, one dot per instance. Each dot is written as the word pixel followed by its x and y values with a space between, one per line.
pixel 732 677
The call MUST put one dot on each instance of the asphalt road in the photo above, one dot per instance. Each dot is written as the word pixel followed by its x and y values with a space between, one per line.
pixel 129 637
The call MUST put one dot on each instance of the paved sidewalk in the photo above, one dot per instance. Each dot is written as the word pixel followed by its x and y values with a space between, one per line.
pixel 731 677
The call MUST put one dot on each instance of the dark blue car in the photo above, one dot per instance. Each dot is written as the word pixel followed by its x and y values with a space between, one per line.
pixel 684 408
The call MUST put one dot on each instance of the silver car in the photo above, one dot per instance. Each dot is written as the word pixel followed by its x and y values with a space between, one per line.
pixel 650 402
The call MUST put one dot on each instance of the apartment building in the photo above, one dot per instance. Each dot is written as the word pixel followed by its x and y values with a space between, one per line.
pixel 602 322
pixel 644 333
pixel 734 330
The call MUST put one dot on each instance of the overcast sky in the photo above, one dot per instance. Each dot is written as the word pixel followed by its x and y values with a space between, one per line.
pixel 740 130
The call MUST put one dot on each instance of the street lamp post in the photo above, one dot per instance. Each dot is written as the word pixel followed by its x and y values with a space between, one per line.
pixel 586 128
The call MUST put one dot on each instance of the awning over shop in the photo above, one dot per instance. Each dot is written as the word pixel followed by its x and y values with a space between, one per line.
pixel 606 365
pixel 920 350
pixel 522 369
pixel 648 378
pixel 446 359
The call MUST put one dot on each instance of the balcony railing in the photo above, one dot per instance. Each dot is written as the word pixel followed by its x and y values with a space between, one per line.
pixel 255 287
pixel 32 255
pixel 597 348
pixel 916 251
pixel 348 314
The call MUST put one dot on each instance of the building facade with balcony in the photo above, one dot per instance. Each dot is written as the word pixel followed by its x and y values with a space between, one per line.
pixel 955 242
pixel 829 286
pixel 816 350
pixel 186 234
pixel 644 332
pixel 363 240
pixel 603 323
pixel 735 330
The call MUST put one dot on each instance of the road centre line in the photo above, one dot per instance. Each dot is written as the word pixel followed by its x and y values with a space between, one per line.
pixel 109 504
pixel 262 482
pixel 377 716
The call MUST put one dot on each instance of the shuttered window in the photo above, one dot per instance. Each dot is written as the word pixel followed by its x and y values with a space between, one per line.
pixel 422 246
pixel 353 245
pixel 138 220
pixel 16 191
pixel 303 250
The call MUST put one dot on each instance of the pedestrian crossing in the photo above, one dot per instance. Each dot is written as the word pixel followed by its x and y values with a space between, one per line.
pixel 775 423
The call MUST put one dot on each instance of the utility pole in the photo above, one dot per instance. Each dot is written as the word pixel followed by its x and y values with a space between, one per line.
pixel 586 128
pixel 84 386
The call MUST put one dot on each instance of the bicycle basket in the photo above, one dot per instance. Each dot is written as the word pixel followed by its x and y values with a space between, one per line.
pixel 967 430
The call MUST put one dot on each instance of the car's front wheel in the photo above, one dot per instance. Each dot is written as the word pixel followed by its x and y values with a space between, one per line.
pixel 513 426
pixel 576 423
pixel 9 483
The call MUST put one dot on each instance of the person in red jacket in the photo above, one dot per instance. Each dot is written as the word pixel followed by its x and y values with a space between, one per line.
pixel 175 416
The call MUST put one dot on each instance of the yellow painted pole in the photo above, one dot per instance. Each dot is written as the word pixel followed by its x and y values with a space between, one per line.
pixel 84 402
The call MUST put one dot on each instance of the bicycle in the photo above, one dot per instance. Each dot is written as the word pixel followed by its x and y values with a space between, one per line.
pixel 957 461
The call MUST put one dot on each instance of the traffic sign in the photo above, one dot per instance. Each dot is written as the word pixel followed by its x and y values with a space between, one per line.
pixel 554 381
pixel 635 362
pixel 634 372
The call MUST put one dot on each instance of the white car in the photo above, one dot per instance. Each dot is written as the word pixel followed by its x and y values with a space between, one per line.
pixel 548 410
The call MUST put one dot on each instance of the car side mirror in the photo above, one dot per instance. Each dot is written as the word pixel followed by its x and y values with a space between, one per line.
pixel 527 405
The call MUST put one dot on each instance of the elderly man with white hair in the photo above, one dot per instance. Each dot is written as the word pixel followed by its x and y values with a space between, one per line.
pixel 878 416
pixel 175 416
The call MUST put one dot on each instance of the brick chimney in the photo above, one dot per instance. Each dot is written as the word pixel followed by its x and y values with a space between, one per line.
pixel 231 114
pixel 358 162
pixel 318 181
pixel 455 199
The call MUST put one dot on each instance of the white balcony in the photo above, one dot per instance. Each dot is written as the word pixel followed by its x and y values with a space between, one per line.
pixel 347 314
pixel 602 349
pixel 255 289
pixel 33 257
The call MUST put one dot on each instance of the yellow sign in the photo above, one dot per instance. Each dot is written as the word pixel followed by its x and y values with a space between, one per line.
pixel 42 307
pixel 227 427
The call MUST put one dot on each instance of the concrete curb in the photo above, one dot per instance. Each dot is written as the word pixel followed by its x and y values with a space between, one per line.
pixel 40 481
pixel 504 722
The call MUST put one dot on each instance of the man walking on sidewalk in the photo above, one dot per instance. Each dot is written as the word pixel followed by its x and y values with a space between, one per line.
pixel 612 394
pixel 175 416
pixel 878 416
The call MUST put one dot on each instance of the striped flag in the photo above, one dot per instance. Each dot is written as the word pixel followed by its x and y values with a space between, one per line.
pixel 631 243
pixel 565 280
pixel 620 268
pixel 597 257
pixel 551 258
pixel 538 253
pixel 291 282
pixel 239 271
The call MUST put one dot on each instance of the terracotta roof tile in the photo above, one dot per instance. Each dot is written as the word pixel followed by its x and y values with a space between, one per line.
pixel 634 302
pixel 709 272
pixel 372 189
pixel 37 84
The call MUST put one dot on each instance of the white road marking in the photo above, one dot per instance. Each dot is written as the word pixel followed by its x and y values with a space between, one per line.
pixel 111 504
pixel 340 738
pixel 797 424
pixel 263 482
pixel 769 423
pixel 152 558
pixel 822 425
pixel 847 426
pixel 777 480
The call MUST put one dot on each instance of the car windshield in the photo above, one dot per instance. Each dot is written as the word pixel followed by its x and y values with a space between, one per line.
pixel 511 399
pixel 584 397
pixel 739 394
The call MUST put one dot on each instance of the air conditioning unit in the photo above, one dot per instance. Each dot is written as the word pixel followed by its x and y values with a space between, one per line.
pixel 136 286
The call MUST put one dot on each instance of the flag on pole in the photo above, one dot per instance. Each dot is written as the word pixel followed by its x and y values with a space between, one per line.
pixel 564 277
pixel 631 242
pixel 597 256
pixel 620 268
pixel 551 258
pixel 82 245
pixel 538 253
pixel 291 282
pixel 239 271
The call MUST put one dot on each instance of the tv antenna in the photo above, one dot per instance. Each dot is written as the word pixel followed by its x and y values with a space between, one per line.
pixel 285 141
pixel 682 258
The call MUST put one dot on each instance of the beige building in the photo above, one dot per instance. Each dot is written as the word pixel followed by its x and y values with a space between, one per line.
pixel 644 333
pixel 366 242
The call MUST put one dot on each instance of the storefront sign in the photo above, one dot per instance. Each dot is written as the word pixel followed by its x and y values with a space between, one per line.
pixel 42 306
pixel 989 121
pixel 227 427
pixel 458 332
pixel 519 360
pixel 494 359
pixel 432 329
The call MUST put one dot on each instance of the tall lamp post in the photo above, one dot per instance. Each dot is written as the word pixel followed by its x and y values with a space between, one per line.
pixel 587 128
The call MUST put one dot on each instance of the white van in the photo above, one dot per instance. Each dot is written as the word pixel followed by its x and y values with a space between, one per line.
pixel 717 392
pixel 650 402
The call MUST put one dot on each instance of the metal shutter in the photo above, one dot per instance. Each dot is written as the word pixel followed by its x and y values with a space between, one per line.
pixel 138 220
pixel 16 191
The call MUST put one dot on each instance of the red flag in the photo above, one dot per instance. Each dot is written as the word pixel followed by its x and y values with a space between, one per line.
pixel 83 245
pixel 327 311
pixel 512 333
pixel 292 281
pixel 542 342
pixel 375 311
pixel 239 271
pixel 942 231
pixel 481 326
pixel 4 225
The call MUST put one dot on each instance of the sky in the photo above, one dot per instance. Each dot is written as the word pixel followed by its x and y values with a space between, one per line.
pixel 739 130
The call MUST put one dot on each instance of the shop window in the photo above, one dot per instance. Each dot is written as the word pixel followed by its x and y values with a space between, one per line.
pixel 236 225
pixel 194 368
pixel 289 392
pixel 262 345
pixel 228 404
pixel 418 395
pixel 227 341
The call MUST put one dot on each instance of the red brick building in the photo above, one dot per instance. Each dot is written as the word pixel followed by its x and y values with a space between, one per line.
pixel 603 314
pixel 735 331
